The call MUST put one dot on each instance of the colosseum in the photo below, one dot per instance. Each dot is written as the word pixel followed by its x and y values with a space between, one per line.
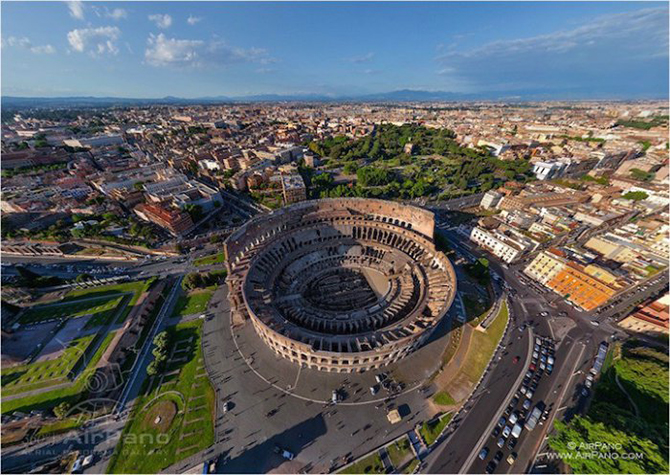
pixel 341 285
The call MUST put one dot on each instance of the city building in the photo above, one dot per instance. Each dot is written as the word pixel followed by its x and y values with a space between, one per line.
pixel 176 222
pixel 293 188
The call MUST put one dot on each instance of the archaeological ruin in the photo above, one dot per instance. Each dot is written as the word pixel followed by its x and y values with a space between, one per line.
pixel 341 285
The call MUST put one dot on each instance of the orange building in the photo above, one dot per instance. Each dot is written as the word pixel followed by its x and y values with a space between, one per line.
pixel 581 288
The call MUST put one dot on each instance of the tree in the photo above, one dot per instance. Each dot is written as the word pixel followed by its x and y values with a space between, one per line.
pixel 161 340
pixel 152 368
pixel 193 281
pixel 61 410
pixel 635 196
pixel 641 175
pixel 83 278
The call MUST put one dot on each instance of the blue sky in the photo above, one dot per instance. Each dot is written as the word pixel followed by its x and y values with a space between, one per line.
pixel 195 49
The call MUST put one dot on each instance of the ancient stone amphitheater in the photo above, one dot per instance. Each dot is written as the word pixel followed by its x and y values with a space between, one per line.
pixel 340 285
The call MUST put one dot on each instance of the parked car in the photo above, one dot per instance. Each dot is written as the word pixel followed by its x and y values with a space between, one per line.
pixel 483 453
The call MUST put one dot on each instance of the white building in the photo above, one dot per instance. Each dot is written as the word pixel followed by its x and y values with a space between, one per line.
pixel 490 199
pixel 501 245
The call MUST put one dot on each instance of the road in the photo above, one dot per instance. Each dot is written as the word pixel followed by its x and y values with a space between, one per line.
pixel 481 412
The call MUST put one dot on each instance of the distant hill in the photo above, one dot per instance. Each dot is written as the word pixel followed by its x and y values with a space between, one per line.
pixel 403 95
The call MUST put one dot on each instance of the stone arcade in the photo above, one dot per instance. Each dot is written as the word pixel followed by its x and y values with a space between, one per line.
pixel 340 285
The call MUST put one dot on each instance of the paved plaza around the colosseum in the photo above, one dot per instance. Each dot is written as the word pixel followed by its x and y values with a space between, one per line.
pixel 323 297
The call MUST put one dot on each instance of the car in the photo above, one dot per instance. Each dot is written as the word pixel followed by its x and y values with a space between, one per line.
pixel 501 422
pixel 542 366
pixel 595 323
pixel 585 392
pixel 508 410
pixel 529 374
pixel 501 442
pixel 506 431
pixel 513 418
pixel 588 384
pixel 526 404
pixel 536 355
pixel 227 406
pixel 511 458
pixel 511 443
pixel 498 456
pixel 550 368
pixel 490 467
pixel 496 432
pixel 515 360
pixel 483 453
pixel 87 461
pixel 531 368
pixel 523 390
pixel 529 394
pixel 515 400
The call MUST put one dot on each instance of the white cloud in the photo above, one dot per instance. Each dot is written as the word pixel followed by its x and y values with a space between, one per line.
pixel 44 49
pixel 25 43
pixel 96 41
pixel 115 13
pixel 366 58
pixel 164 51
pixel 76 9
pixel 161 21
pixel 192 20
pixel 22 42
pixel 598 53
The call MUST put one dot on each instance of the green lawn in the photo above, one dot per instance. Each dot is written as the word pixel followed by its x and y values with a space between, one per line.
pixel 185 402
pixel 443 398
pixel 209 260
pixel 399 452
pixel 411 466
pixel 42 374
pixel 58 427
pixel 482 345
pixel 370 464
pixel 99 307
pixel 432 429
pixel 72 394
pixel 136 287
pixel 194 301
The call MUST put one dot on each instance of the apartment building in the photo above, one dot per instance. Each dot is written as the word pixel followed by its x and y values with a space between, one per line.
pixel 293 188
pixel 581 288
pixel 545 266
pixel 176 222
pixel 507 248
pixel 651 319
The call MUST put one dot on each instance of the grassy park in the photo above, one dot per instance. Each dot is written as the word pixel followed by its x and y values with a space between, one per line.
pixel 400 452
pixel 431 430
pixel 483 344
pixel 72 393
pixel 174 417
pixel 193 301
pixel 209 260
pixel 99 307
pixel 370 464
pixel 136 288
pixel 28 377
